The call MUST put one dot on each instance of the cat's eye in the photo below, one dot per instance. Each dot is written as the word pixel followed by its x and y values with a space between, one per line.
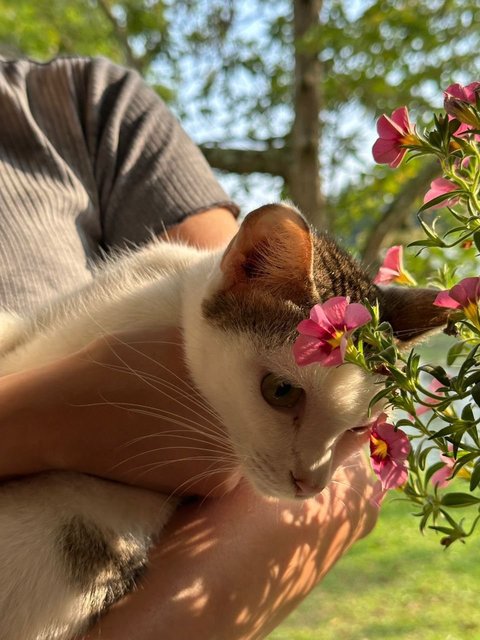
pixel 280 393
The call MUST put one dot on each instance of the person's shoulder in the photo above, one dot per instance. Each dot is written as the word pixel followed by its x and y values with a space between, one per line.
pixel 74 64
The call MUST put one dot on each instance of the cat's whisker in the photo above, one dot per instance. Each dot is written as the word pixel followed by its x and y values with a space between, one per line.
pixel 220 439
pixel 158 465
pixel 171 448
pixel 349 486
pixel 168 416
pixel 147 378
pixel 185 486
pixel 178 434
pixel 160 365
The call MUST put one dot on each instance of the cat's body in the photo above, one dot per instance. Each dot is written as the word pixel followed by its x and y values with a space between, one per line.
pixel 71 545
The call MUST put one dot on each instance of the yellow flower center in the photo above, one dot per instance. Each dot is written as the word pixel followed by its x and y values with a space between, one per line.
pixel 405 278
pixel 381 448
pixel 471 312
pixel 336 339
pixel 410 139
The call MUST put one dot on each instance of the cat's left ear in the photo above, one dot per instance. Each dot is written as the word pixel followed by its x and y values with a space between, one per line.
pixel 273 251
pixel 411 311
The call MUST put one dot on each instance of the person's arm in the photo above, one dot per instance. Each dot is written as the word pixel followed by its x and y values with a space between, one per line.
pixel 78 413
pixel 234 568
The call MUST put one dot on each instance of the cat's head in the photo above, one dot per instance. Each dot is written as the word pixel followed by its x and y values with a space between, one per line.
pixel 289 425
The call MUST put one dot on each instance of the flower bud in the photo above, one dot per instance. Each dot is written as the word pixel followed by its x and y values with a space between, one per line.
pixel 462 110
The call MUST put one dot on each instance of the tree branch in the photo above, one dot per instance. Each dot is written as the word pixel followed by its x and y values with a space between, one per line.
pixel 243 161
pixel 395 214
pixel 304 182
pixel 121 37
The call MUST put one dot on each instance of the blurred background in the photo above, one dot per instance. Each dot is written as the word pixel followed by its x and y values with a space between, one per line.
pixel 282 97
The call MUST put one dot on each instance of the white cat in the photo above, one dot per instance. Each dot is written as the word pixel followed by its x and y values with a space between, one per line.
pixel 70 545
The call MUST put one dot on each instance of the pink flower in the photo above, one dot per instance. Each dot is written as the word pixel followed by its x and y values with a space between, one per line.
pixel 443 476
pixel 434 386
pixel 324 337
pixel 439 187
pixel 458 103
pixel 467 94
pixel 389 450
pixel 392 268
pixel 465 296
pixel 394 133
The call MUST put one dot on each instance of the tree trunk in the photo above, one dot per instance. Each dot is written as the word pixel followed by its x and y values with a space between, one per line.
pixel 399 210
pixel 303 181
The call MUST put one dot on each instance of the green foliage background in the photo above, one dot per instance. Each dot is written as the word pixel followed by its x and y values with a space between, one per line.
pixel 226 67
pixel 394 585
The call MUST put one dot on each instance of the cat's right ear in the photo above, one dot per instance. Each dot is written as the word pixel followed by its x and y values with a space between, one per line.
pixel 273 251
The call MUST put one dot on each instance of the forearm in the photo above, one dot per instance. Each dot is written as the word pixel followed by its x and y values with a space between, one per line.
pixel 82 413
pixel 235 567
pixel 111 410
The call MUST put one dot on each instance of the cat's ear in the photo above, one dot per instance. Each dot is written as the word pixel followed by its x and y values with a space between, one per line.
pixel 273 250
pixel 411 311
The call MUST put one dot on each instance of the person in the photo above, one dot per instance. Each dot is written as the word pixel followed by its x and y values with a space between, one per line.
pixel 91 161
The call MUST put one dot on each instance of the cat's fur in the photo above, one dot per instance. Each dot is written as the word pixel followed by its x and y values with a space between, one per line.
pixel 70 545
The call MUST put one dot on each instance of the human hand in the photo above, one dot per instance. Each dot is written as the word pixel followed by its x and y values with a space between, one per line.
pixel 234 568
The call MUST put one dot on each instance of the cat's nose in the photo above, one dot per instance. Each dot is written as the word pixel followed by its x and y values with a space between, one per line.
pixel 306 488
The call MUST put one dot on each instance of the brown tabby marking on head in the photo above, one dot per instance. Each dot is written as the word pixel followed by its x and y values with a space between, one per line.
pixel 275 271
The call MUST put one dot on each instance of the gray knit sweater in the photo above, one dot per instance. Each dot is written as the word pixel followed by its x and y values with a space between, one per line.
pixel 90 158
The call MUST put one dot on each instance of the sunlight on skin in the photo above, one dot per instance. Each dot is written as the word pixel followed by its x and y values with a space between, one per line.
pixel 234 568
pixel 264 556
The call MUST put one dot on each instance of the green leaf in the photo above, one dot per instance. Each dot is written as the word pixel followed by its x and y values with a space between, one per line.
pixel 459 500
pixel 431 470
pixel 467 414
pixel 475 393
pixel 454 352
pixel 438 373
pixel 476 239
pixel 475 477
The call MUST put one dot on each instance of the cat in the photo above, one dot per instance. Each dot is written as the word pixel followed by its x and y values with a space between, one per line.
pixel 70 545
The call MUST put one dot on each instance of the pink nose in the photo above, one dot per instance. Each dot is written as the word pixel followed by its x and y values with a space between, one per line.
pixel 305 489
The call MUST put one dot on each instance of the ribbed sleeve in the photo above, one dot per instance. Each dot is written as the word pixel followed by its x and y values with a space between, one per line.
pixel 89 158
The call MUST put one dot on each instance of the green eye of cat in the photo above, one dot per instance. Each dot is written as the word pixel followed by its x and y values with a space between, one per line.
pixel 280 393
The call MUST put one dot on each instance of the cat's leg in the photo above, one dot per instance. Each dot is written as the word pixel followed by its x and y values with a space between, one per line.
pixel 70 545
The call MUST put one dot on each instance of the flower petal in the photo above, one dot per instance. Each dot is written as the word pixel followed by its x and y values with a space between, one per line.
pixel 311 328
pixel 385 275
pixel 401 118
pixel 388 152
pixel 356 315
pixel 394 258
pixel 305 350
pixel 440 187
pixel 398 442
pixel 444 300
pixel 310 350
pixel 334 309
pixel 392 475
pixel 466 291
pixel 317 314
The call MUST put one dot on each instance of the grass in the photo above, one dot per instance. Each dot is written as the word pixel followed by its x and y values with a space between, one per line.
pixel 395 584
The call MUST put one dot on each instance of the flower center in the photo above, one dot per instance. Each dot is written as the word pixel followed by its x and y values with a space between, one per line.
pixel 380 449
pixel 409 139
pixel 471 312
pixel 336 339
pixel 405 278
